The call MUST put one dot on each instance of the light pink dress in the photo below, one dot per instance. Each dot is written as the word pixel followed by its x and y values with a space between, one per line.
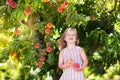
pixel 70 73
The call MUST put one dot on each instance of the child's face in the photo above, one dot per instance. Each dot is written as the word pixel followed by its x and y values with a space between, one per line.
pixel 70 36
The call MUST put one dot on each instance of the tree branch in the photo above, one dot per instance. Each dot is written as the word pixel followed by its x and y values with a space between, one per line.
pixel 113 7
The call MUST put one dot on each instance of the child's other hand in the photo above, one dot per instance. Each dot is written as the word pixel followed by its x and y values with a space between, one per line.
pixel 67 65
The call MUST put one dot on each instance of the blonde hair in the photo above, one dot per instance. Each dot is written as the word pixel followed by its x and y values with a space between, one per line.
pixel 62 43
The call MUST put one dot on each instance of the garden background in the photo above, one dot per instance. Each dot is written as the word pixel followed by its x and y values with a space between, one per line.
pixel 30 29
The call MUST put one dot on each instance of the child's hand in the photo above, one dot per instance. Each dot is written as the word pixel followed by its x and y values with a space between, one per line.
pixel 67 65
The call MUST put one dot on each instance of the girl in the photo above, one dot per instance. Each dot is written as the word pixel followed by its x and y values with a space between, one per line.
pixel 72 58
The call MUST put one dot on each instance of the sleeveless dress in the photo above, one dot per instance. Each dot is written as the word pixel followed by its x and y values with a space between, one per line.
pixel 70 73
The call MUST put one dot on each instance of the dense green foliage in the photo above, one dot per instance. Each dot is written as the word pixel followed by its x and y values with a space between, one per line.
pixel 97 22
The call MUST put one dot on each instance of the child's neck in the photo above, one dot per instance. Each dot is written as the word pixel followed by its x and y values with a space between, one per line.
pixel 70 46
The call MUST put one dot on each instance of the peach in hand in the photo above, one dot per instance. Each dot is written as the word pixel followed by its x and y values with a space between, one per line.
pixel 70 61
pixel 76 65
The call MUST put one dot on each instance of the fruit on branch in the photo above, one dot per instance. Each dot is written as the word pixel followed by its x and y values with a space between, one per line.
pixel 60 9
pixel 66 3
pixel 37 45
pixel 47 31
pixel 39 64
pixel 42 58
pixel 27 10
pixel 62 5
pixel 46 1
pixel 17 32
pixel 49 49
pixel 48 44
pixel 49 25
pixel 13 4
pixel 9 1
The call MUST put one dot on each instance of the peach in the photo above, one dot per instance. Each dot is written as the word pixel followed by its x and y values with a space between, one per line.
pixel 46 1
pixel 47 31
pixel 76 65
pixel 62 5
pixel 13 4
pixel 42 58
pixel 9 1
pixel 70 61
pixel 14 54
pixel 37 45
pixel 49 25
pixel 17 32
pixel 48 44
pixel 39 64
pixel 66 3
pixel 27 10
pixel 60 9
pixel 49 49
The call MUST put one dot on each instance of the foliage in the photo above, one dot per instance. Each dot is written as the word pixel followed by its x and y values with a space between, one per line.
pixel 34 26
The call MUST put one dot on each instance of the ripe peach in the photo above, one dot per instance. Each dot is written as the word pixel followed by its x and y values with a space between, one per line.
pixel 13 4
pixel 39 64
pixel 37 45
pixel 70 61
pixel 76 65
pixel 42 58
pixel 14 53
pixel 47 31
pixel 49 25
pixel 27 11
pixel 66 3
pixel 9 1
pixel 62 5
pixel 17 32
pixel 60 9
pixel 46 1
pixel 49 49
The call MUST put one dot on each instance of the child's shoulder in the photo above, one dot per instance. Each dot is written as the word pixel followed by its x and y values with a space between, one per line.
pixel 63 50
pixel 78 47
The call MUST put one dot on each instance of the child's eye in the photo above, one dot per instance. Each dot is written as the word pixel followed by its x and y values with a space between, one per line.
pixel 73 35
pixel 68 34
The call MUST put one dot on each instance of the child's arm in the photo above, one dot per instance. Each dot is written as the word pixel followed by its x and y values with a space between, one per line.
pixel 84 59
pixel 61 63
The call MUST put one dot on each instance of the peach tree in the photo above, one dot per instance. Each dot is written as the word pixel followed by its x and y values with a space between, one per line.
pixel 36 25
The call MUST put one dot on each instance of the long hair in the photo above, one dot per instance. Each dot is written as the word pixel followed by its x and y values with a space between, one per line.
pixel 62 43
